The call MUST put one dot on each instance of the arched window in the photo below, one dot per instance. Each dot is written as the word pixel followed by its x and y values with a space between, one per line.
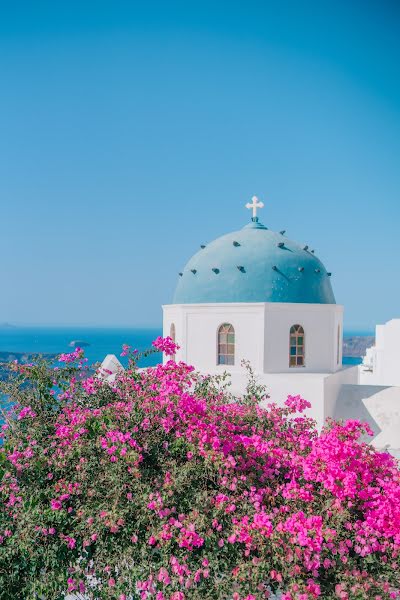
pixel 226 345
pixel 297 346
pixel 172 336
pixel 338 345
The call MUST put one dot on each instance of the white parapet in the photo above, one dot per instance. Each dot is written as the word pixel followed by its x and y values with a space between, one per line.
pixel 110 367
pixel 381 362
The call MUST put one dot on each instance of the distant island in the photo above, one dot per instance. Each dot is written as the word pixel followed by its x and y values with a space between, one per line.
pixel 78 344
pixel 356 345
pixel 7 326
pixel 24 357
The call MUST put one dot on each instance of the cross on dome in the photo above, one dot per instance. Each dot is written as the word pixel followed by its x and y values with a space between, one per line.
pixel 254 204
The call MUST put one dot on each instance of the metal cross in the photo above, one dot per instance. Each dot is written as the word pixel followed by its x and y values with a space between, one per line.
pixel 254 205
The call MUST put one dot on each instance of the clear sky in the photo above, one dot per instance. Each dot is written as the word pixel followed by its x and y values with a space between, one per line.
pixel 132 132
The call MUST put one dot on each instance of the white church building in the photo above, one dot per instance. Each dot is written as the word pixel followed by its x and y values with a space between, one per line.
pixel 256 295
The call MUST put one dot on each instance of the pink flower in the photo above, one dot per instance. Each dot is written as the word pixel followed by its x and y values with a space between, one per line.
pixel 71 356
pixel 297 403
pixel 71 542
pixel 55 504
pixel 125 350
pixel 89 385
pixel 163 576
pixel 26 412
pixel 166 345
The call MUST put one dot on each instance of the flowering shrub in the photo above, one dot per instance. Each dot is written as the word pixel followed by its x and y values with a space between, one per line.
pixel 160 486
pixel 166 345
pixel 71 357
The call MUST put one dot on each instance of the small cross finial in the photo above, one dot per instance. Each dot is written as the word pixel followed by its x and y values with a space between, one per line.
pixel 254 204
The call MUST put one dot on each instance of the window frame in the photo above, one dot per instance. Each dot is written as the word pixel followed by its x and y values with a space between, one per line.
pixel 297 331
pixel 228 357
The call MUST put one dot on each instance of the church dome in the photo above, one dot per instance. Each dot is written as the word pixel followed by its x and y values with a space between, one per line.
pixel 254 264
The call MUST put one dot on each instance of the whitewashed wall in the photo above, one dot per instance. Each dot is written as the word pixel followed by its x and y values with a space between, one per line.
pixel 261 334
pixel 319 321
pixel 379 406
pixel 384 357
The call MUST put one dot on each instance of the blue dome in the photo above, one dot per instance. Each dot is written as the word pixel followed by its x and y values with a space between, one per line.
pixel 254 265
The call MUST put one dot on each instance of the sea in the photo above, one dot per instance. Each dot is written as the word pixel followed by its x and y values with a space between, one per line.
pixel 97 341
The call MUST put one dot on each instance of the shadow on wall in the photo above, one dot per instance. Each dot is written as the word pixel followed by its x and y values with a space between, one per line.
pixel 377 405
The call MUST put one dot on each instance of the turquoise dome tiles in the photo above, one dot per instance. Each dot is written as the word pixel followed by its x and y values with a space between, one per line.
pixel 254 264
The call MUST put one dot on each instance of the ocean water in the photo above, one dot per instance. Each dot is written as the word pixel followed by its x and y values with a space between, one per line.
pixel 102 341
pixel 352 360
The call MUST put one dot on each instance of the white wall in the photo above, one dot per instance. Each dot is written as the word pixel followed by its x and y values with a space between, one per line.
pixel 379 406
pixel 390 360
pixel 384 356
pixel 196 332
pixel 262 332
pixel 322 390
pixel 333 389
pixel 319 322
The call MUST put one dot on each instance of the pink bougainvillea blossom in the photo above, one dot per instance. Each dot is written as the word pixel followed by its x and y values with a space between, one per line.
pixel 166 345
pixel 161 485
pixel 26 412
pixel 71 357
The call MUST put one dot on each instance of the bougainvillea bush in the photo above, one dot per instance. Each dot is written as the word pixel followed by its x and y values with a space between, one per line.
pixel 160 485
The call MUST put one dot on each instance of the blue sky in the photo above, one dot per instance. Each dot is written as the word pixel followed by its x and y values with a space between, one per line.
pixel 132 132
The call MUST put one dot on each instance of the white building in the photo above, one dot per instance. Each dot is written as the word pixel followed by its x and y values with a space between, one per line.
pixel 256 295
pixel 381 364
